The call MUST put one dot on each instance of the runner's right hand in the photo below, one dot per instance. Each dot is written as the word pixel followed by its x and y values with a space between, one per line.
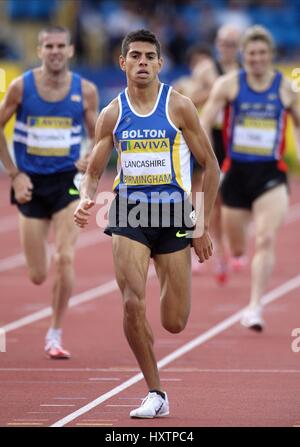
pixel 22 187
pixel 81 214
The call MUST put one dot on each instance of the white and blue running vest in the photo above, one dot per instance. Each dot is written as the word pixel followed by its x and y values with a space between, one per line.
pixel 152 153
pixel 255 123
pixel 48 135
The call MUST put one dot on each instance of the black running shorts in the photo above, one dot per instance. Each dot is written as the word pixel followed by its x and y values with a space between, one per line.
pixel 51 193
pixel 218 145
pixel 164 229
pixel 243 183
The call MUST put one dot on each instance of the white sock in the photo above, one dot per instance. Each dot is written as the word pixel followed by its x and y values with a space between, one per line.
pixel 53 334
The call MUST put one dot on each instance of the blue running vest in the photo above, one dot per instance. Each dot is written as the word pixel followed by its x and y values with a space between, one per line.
pixel 47 135
pixel 255 123
pixel 153 157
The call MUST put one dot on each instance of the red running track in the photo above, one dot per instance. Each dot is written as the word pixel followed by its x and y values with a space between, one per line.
pixel 231 377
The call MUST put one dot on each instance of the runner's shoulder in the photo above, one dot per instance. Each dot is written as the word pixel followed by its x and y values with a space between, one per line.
pixel 288 93
pixel 15 89
pixel 205 69
pixel 89 89
pixel 108 117
pixel 228 79
pixel 227 85
pixel 179 102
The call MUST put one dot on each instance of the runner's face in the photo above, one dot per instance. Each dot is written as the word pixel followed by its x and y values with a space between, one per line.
pixel 257 57
pixel 141 63
pixel 228 48
pixel 55 51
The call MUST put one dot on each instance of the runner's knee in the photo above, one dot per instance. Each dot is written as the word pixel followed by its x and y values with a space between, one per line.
pixel 264 242
pixel 37 277
pixel 175 325
pixel 134 307
pixel 63 260
pixel 238 251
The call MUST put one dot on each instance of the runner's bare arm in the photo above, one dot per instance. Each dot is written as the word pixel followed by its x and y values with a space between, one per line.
pixel 8 107
pixel 294 109
pixel 204 77
pixel 91 106
pixel 184 115
pixel 223 91
pixel 199 145
pixel 98 161
pixel 20 181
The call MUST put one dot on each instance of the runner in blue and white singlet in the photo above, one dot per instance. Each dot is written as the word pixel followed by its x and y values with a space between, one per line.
pixel 152 153
pixel 52 107
pixel 255 126
pixel 257 99
pixel 155 131
pixel 48 135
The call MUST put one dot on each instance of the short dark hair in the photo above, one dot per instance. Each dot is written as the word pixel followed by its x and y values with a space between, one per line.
pixel 199 48
pixel 141 35
pixel 51 29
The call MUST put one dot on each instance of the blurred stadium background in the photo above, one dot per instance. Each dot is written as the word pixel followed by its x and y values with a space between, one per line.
pixel 98 27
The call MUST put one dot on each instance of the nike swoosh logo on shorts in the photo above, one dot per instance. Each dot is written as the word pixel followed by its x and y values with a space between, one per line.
pixel 73 192
pixel 179 234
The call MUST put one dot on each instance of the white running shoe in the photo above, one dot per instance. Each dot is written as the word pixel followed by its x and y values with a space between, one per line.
pixel 53 345
pixel 252 319
pixel 153 406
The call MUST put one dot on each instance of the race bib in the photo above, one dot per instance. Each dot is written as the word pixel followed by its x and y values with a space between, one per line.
pixel 147 162
pixel 254 136
pixel 49 136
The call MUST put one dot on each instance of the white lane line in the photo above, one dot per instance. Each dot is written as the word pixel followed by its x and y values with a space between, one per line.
pixel 67 370
pixel 12 262
pixel 76 300
pixel 57 405
pixel 94 424
pixel 118 405
pixel 170 380
pixel 165 370
pixel 228 370
pixel 83 297
pixel 25 424
pixel 85 239
pixel 106 379
pixel 273 295
pixel 293 213
pixel 9 223
pixel 30 420
pixel 43 412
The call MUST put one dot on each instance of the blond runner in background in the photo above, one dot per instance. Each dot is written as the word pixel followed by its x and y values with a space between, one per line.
pixel 257 100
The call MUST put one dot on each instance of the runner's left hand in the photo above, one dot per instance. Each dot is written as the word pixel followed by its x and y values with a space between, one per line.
pixel 81 214
pixel 203 247
pixel 82 163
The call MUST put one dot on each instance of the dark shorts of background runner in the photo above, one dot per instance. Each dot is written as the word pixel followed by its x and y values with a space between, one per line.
pixel 243 183
pixel 159 239
pixel 218 145
pixel 51 193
